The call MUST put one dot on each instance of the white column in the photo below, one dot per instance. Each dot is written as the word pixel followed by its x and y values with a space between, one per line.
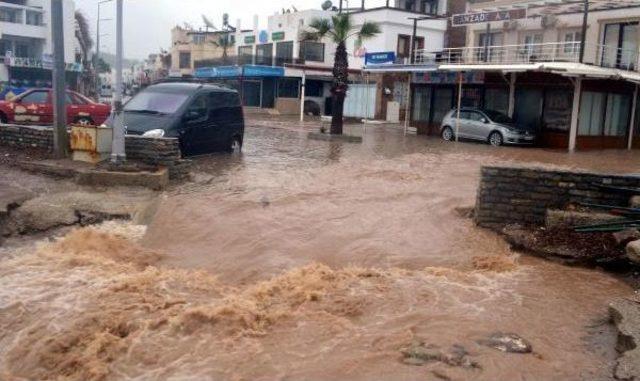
pixel 575 113
pixel 634 104
pixel 512 94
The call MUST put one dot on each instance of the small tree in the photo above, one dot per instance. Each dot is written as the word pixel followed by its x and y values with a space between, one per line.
pixel 340 29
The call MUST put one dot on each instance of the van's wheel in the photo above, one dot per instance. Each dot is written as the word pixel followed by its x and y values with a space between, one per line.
pixel 447 134
pixel 84 121
pixel 495 139
pixel 3 118
pixel 236 144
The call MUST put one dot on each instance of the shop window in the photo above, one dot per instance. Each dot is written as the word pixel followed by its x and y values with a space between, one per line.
pixel 421 103
pixel 312 51
pixel 618 113
pixel 442 104
pixel 472 97
pixel 603 114
pixel 497 100
pixel 556 115
pixel 313 88
pixel 288 88
pixel 185 60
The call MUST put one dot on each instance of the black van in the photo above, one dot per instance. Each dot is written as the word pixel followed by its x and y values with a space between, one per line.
pixel 205 118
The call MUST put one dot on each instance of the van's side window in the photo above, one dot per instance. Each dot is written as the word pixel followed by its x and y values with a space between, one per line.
pixel 198 108
pixel 225 107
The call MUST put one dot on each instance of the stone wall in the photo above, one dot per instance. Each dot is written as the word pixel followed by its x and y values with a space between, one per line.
pixel 26 136
pixel 523 195
pixel 154 151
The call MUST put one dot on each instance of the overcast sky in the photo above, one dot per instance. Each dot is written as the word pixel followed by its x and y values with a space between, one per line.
pixel 148 23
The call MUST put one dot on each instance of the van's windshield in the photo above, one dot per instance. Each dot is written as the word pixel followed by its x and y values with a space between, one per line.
pixel 156 102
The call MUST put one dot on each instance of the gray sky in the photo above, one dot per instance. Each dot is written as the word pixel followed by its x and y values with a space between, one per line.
pixel 148 23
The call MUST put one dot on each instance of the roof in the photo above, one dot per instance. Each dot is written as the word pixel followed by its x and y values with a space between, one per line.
pixel 186 87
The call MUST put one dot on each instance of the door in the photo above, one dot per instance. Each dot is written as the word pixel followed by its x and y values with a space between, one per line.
pixel 528 110
pixel 360 101
pixel 442 104
pixel 464 126
pixel 195 133
pixel 620 45
pixel 479 129
pixel 35 108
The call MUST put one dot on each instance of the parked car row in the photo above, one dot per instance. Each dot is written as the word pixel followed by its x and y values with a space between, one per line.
pixel 205 118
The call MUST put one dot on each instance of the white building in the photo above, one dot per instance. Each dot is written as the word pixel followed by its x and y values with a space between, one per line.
pixel 278 58
pixel 26 45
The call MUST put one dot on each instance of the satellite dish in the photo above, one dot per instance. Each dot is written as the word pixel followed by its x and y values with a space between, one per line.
pixel 208 23
pixel 327 5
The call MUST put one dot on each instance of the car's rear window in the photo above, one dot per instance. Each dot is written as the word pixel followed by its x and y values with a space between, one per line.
pixel 161 102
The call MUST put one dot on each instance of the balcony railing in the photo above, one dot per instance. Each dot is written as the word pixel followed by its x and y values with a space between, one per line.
pixel 605 56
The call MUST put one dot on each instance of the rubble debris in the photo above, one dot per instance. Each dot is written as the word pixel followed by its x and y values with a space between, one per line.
pixel 420 353
pixel 507 342
pixel 625 315
pixel 633 251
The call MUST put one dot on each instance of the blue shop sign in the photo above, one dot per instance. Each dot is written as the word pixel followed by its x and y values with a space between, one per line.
pixel 238 71
pixel 263 71
pixel 380 58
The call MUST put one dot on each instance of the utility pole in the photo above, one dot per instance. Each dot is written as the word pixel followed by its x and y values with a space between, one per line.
pixel 412 52
pixel 340 9
pixel 583 37
pixel 60 136
pixel 117 147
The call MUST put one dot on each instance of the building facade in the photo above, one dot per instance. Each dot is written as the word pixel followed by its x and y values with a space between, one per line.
pixel 26 45
pixel 191 49
pixel 525 59
pixel 274 60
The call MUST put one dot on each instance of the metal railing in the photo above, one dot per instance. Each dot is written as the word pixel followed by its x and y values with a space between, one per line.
pixel 606 56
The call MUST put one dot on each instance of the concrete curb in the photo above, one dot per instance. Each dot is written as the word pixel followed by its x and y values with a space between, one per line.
pixel 86 175
pixel 336 138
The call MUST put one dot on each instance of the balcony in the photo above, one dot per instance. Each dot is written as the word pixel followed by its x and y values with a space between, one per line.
pixel 599 55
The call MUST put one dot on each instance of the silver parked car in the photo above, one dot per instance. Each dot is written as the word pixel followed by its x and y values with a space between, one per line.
pixel 486 125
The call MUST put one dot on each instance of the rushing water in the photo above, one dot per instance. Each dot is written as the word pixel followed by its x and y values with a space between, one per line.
pixel 307 260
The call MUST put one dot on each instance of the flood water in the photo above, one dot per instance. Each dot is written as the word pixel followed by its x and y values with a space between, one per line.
pixel 308 260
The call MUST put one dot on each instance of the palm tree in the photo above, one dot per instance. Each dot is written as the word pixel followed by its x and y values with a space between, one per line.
pixel 83 35
pixel 340 29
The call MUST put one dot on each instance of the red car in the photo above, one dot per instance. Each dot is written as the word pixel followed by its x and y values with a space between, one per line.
pixel 35 107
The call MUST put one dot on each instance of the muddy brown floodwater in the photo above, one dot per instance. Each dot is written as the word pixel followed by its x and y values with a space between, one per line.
pixel 306 260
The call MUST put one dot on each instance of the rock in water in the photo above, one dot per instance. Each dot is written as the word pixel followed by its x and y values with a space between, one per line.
pixel 626 236
pixel 507 342
pixel 633 251
pixel 419 353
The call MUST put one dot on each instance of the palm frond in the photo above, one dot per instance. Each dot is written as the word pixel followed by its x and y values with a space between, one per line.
pixel 320 28
pixel 83 33
pixel 369 29
pixel 341 27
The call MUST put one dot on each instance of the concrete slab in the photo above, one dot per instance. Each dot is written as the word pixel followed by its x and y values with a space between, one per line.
pixel 625 314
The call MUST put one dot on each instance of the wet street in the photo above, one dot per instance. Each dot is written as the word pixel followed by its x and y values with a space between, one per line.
pixel 309 260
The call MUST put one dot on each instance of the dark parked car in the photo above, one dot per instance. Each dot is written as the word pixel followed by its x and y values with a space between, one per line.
pixel 205 118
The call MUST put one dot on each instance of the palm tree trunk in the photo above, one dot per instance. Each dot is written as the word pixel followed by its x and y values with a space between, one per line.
pixel 339 88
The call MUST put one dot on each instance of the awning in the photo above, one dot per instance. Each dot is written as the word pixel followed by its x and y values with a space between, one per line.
pixel 251 71
pixel 491 67
pixel 399 68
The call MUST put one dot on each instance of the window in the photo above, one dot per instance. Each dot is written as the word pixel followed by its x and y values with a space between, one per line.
pixel 11 15
pixel 312 51
pixel 429 6
pixel 532 45
pixel 476 116
pixel 22 50
pixel 313 88
pixel 284 53
pixel 572 42
pixel 5 46
pixel 264 54
pixel 404 46
pixel 36 97
pixel 165 103
pixel 34 18
pixel 198 39
pixel 245 55
pixel 288 88
pixel 493 41
pixel 620 45
pixel 198 108
pixel 604 114
pixel 185 60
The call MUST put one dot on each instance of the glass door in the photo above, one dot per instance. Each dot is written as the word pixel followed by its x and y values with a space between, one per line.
pixel 251 93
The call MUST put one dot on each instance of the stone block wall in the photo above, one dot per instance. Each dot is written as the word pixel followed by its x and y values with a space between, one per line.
pixel 523 195
pixel 26 137
pixel 153 151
